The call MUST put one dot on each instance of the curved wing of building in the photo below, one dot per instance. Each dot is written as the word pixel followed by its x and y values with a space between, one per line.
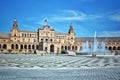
pixel 46 39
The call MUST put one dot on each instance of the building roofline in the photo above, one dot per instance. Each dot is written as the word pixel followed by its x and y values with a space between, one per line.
pixel 27 31
pixel 4 35
pixel 61 33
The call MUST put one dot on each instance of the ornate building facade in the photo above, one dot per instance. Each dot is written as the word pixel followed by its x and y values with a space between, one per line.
pixel 46 39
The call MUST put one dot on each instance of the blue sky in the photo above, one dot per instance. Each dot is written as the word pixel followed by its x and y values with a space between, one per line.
pixel 86 16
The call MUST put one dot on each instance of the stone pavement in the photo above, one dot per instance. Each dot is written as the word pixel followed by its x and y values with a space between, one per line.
pixel 53 61
pixel 61 74
pixel 52 67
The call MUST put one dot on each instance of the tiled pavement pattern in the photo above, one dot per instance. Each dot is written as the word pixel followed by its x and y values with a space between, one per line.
pixel 53 61
pixel 51 67
pixel 61 74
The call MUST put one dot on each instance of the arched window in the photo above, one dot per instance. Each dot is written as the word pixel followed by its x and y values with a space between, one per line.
pixel 29 46
pixel 46 40
pixel 15 34
pixel 25 35
pixel 21 46
pixel 72 47
pixel 68 47
pixel 12 46
pixel 25 46
pixel 4 46
pixel 37 47
pixel 65 47
pixel 51 40
pixel 16 46
pixel 33 47
pixel 62 47
pixel 75 47
pixel 41 40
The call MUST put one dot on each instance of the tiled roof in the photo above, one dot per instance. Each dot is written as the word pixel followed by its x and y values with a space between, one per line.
pixel 98 38
pixel 61 33
pixel 27 31
pixel 4 36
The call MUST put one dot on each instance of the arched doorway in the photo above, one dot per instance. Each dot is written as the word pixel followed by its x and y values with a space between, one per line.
pixel 75 47
pixel 16 46
pixel 110 48
pixel 62 47
pixel 65 47
pixel 29 46
pixel 4 46
pixel 12 46
pixel 114 48
pixel 25 46
pixel 118 48
pixel 21 46
pixel 33 47
pixel 37 47
pixel 68 47
pixel 51 48
pixel 72 47
pixel 0 46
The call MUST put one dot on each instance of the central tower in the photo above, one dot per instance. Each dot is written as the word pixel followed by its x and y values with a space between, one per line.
pixel 71 35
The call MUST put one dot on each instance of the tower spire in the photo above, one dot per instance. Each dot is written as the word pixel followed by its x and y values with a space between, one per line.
pixel 71 29
pixel 45 21
pixel 15 20
pixel 15 25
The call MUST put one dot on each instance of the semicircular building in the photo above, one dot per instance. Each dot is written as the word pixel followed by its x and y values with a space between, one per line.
pixel 46 39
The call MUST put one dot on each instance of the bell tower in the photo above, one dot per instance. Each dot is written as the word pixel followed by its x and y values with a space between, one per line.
pixel 71 29
pixel 15 25
pixel 71 34
pixel 14 31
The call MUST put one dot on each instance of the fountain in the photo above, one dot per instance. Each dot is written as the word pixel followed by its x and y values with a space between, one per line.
pixel 94 47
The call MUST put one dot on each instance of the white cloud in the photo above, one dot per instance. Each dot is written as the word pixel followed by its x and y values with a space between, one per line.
pixel 110 34
pixel 115 16
pixel 72 12
pixel 73 15
pixel 65 16
pixel 68 15
pixel 41 21
pixel 94 16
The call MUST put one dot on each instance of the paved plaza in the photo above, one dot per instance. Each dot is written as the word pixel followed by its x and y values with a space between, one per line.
pixel 61 67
